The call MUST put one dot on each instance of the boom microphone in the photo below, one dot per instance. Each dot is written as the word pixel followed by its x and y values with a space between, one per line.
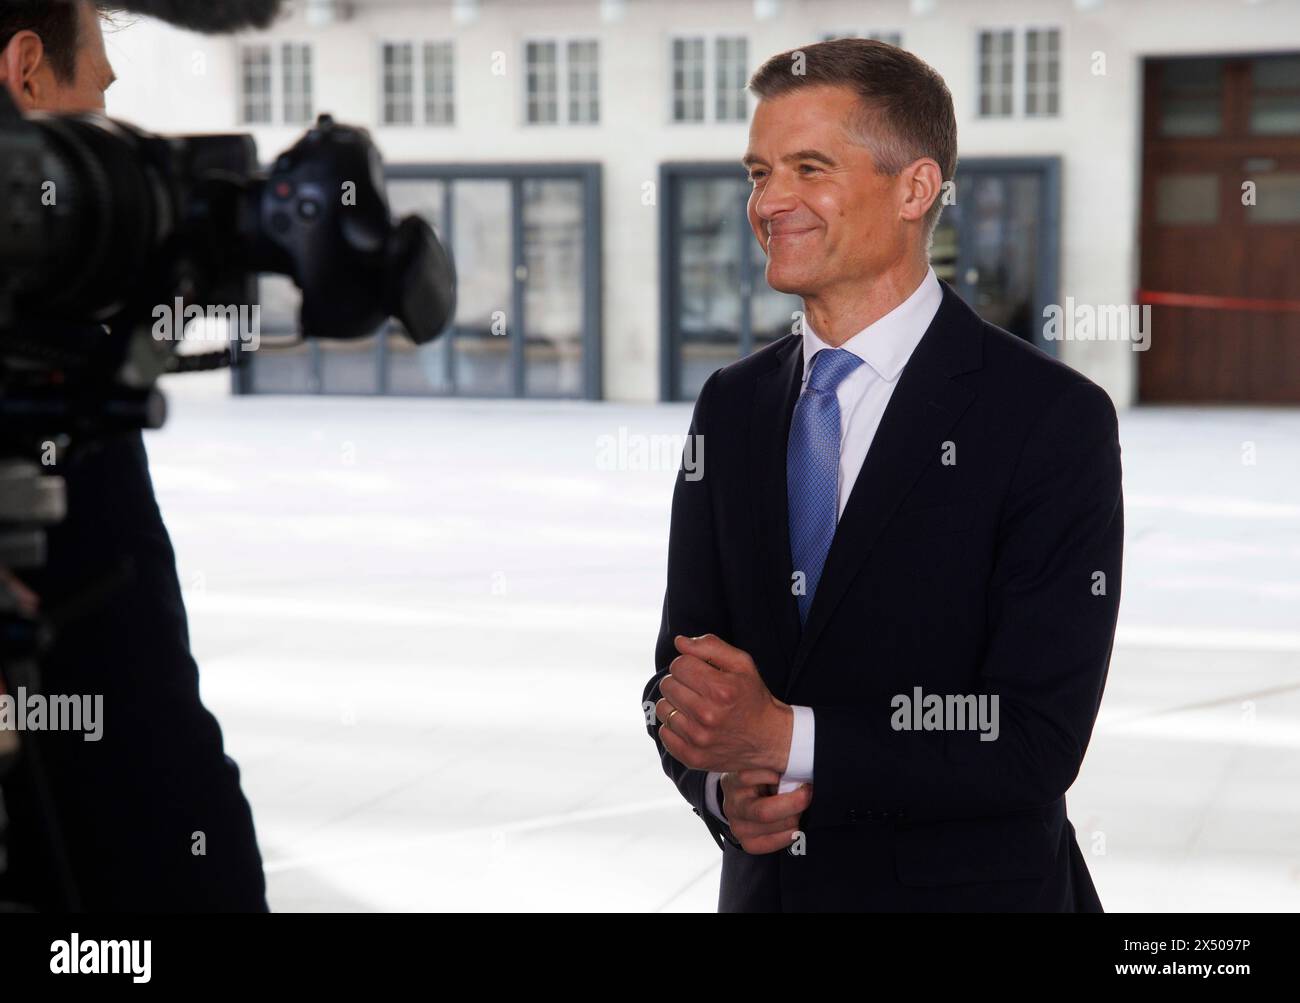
pixel 208 16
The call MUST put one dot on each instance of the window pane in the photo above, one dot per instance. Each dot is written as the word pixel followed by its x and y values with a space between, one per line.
pixel 417 369
pixel 1187 198
pixel 1190 116
pixel 542 82
pixel 297 73
pixel 995 73
pixel 399 84
pixel 1275 98
pixel 481 249
pixel 283 369
pixel 1275 114
pixel 280 301
pixel 584 82
pixel 1005 84
pixel 255 84
pixel 553 255
pixel 891 37
pixel 1276 73
pixel 1042 71
pixel 688 80
pixel 731 56
pixel 1000 213
pixel 349 367
pixel 1191 97
pixel 1192 74
pixel 710 217
pixel 439 84
pixel 282 363
pixel 1277 199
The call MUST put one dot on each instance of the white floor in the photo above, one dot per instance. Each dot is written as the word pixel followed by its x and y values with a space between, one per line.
pixel 425 625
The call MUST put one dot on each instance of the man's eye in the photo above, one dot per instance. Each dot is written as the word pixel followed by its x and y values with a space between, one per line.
pixel 809 167
pixel 755 176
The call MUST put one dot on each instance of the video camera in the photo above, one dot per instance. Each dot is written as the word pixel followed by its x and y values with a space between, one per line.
pixel 103 227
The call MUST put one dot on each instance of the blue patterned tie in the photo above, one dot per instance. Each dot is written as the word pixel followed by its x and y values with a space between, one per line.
pixel 812 468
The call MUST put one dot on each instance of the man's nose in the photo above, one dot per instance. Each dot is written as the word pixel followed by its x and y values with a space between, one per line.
pixel 776 197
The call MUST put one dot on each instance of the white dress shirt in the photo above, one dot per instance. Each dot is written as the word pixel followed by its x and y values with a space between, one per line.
pixel 885 347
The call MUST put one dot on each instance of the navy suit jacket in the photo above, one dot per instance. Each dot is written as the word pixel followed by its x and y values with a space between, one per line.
pixel 979 553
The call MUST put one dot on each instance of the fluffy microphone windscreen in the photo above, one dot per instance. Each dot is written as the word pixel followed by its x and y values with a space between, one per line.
pixel 210 16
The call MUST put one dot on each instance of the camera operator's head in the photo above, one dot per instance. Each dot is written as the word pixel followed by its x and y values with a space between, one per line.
pixel 52 55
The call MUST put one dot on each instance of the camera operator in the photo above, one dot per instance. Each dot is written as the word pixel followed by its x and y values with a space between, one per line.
pixel 151 815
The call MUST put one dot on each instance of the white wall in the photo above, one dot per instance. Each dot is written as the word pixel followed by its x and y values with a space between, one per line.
pixel 174 81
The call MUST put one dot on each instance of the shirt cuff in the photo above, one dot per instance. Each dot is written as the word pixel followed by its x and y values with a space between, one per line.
pixel 799 769
pixel 712 785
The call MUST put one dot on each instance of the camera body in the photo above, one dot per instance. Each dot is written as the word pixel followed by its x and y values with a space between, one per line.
pixel 105 228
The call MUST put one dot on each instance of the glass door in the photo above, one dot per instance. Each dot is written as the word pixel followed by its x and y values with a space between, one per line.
pixel 997 243
pixel 409 368
pixel 525 240
pixel 711 301
pixel 482 214
pixel 718 307
pixel 554 253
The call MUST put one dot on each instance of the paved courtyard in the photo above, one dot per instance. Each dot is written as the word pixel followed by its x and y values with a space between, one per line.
pixel 425 625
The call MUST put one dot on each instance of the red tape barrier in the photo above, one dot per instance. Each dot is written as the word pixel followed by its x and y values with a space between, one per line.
pixel 1216 302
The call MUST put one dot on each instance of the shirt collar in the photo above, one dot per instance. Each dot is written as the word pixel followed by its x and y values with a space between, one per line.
pixel 887 344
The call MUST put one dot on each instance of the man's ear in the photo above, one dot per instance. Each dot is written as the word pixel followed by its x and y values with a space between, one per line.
pixel 923 182
pixel 20 65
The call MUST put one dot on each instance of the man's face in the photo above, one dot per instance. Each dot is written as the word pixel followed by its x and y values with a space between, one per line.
pixel 820 211
pixel 30 75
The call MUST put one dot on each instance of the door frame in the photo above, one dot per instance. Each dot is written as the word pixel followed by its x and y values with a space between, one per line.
pixel 670 341
pixel 1047 279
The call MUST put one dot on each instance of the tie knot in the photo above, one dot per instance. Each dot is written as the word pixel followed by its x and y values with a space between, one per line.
pixel 829 368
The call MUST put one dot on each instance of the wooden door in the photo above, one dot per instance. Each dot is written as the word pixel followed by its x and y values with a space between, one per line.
pixel 1220 233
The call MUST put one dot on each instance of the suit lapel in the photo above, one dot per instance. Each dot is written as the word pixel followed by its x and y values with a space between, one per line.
pixel 774 398
pixel 924 407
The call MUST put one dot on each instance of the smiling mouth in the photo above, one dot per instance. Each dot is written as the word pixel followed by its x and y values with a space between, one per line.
pixel 787 233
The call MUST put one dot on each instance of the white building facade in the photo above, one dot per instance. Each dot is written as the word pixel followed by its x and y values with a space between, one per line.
pixel 582 159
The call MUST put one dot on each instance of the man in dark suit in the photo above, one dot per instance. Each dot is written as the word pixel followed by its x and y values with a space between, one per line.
pixel 892 593
pixel 151 814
